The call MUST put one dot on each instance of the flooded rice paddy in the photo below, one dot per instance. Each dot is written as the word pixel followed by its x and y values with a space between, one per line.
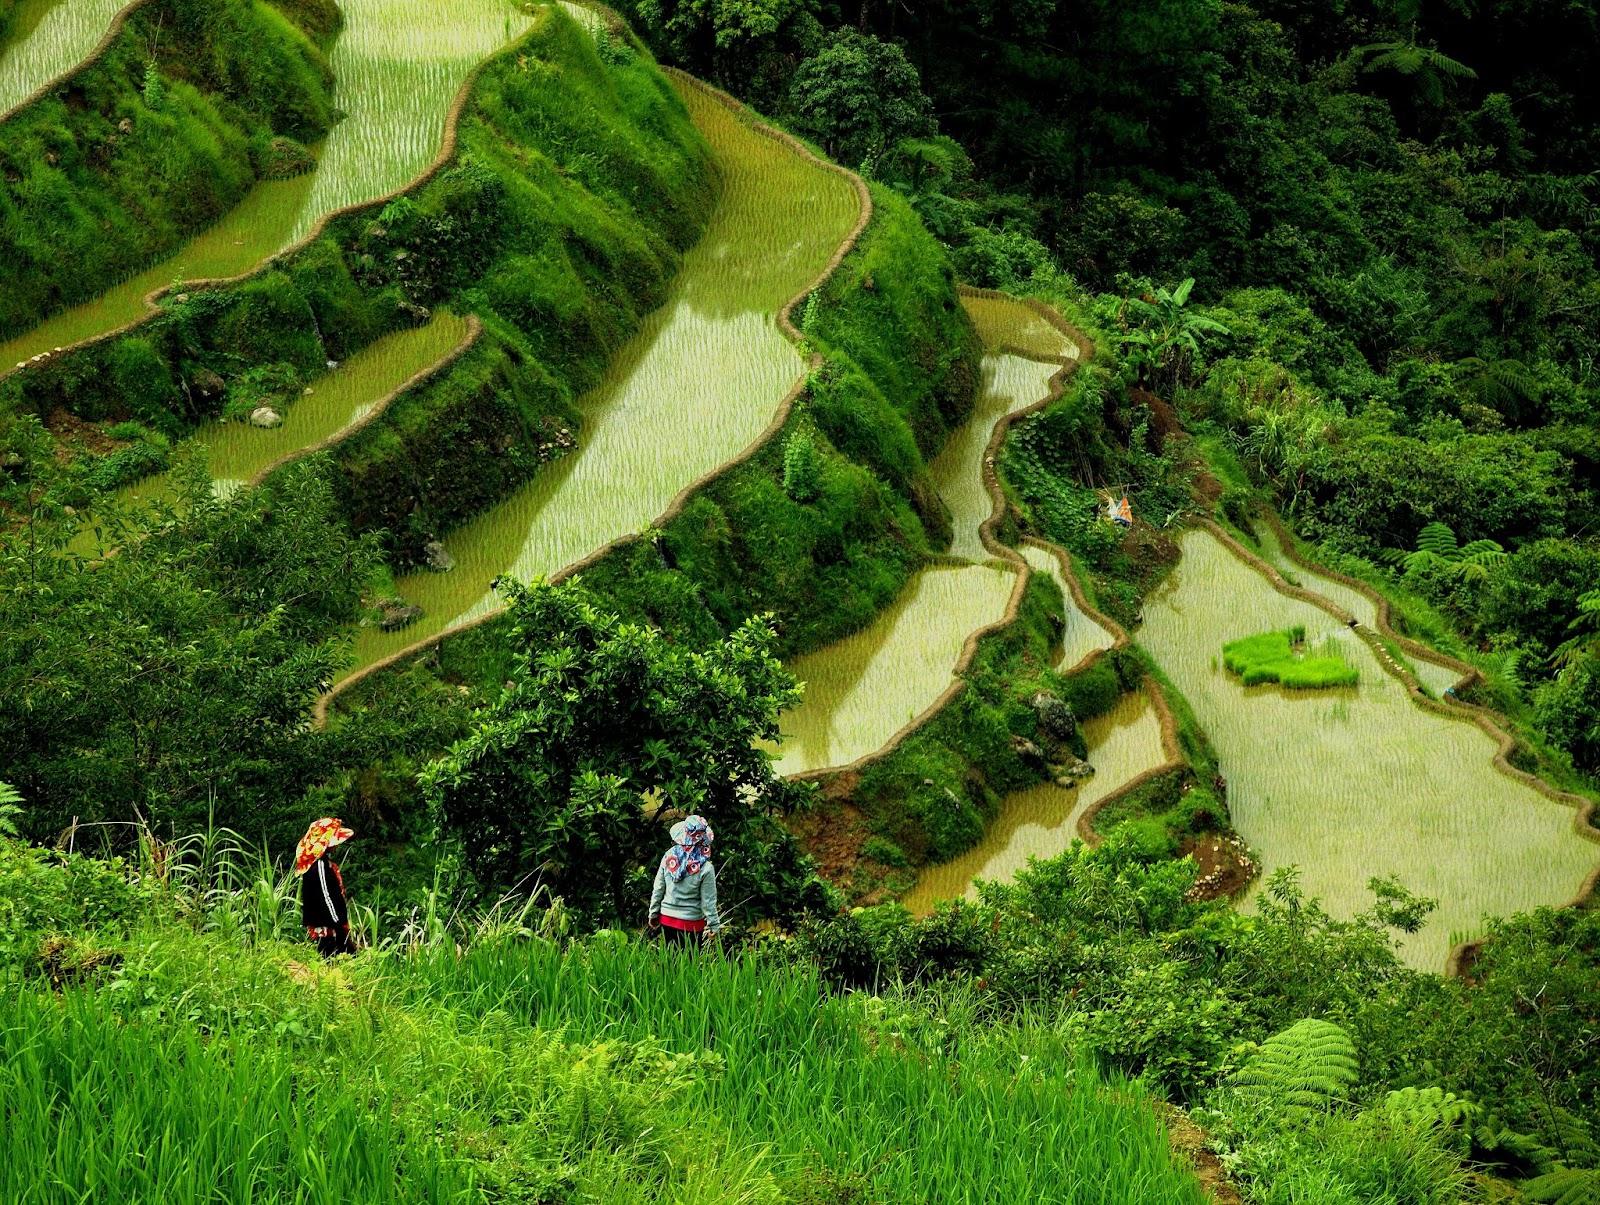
pixel 1010 383
pixel 1435 677
pixel 398 66
pixel 1042 821
pixel 861 690
pixel 48 38
pixel 696 385
pixel 1361 781
pixel 1081 635
pixel 237 452
pixel 1010 325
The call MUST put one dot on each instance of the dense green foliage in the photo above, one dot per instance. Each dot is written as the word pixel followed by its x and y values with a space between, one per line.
pixel 169 681
pixel 1389 211
pixel 102 177
pixel 1281 657
pixel 601 721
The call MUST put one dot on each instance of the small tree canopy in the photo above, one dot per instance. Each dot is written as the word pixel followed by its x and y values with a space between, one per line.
pixel 859 96
pixel 603 724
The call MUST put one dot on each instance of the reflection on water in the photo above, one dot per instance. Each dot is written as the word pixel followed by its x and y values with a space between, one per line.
pixel 1437 678
pixel 864 688
pixel 237 451
pixel 48 38
pixel 1004 323
pixel 1357 782
pixel 699 382
pixel 1042 821
pixel 398 64
pixel 1082 635
pixel 1009 383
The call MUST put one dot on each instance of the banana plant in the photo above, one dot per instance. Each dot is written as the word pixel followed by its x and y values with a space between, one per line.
pixel 1162 337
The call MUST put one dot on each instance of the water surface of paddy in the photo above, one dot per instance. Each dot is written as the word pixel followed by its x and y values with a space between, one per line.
pixel 1081 635
pixel 1009 325
pixel 697 384
pixel 237 451
pixel 1357 782
pixel 49 38
pixel 1437 678
pixel 1042 821
pixel 1010 383
pixel 398 65
pixel 861 690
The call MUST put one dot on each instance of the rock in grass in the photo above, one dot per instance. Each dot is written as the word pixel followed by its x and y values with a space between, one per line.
pixel 437 558
pixel 265 416
pixel 1282 657
pixel 396 613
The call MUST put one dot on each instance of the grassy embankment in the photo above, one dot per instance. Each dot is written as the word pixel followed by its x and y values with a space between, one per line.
pixel 575 184
pixel 900 369
pixel 115 168
pixel 7 10
pixel 161 1043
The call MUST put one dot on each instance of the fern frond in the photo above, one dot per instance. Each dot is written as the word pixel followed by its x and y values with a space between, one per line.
pixel 1438 539
pixel 1306 1068
pixel 1569 1187
pixel 1430 1107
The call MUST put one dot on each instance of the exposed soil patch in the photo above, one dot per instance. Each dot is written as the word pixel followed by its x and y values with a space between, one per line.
pixel 834 833
pixel 1226 868
pixel 69 429
pixel 1189 1143
pixel 1164 421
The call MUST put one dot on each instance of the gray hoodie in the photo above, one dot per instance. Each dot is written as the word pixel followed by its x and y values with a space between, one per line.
pixel 693 897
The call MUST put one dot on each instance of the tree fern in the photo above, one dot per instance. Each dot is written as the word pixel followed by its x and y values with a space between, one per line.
pixel 1306 1068
pixel 1430 1107
pixel 1438 539
pixel 1567 1187
pixel 10 809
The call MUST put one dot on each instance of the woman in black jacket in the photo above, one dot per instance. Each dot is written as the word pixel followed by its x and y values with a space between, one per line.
pixel 323 908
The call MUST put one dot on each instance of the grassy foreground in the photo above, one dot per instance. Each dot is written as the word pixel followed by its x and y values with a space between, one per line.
pixel 173 1048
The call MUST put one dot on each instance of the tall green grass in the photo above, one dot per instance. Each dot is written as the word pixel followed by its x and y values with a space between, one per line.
pixel 187 1053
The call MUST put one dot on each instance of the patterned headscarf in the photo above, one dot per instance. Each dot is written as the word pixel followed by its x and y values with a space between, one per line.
pixel 323 835
pixel 692 848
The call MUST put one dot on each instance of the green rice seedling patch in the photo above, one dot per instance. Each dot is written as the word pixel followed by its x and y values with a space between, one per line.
pixel 1282 657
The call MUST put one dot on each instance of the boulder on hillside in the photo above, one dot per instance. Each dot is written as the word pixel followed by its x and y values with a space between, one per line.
pixel 265 416
pixel 437 558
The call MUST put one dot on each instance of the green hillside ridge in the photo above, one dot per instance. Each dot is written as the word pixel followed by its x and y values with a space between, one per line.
pixel 559 261
pixel 111 170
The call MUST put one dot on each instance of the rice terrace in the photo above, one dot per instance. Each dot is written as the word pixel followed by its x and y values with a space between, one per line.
pixel 780 601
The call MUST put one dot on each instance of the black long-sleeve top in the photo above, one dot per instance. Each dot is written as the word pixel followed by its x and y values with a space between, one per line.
pixel 322 903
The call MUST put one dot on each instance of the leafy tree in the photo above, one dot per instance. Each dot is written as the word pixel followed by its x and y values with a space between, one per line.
pixel 603 725
pixel 858 96
pixel 172 680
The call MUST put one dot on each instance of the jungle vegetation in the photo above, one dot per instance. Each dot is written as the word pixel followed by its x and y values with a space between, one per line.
pixel 1337 257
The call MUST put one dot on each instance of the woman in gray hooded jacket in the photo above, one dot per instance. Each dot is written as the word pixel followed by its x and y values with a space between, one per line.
pixel 684 902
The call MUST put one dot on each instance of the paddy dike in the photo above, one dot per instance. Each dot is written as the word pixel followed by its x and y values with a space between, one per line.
pixel 1357 782
pixel 48 39
pixel 334 406
pixel 400 68
pixel 708 375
